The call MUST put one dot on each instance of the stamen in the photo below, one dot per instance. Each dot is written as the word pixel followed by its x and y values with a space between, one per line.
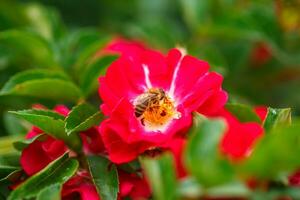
pixel 155 109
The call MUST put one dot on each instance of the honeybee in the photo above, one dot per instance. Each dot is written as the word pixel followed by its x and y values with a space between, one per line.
pixel 147 100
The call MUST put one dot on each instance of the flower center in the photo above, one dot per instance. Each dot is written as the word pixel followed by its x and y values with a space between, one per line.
pixel 155 109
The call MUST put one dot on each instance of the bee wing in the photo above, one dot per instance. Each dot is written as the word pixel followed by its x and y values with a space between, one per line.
pixel 143 100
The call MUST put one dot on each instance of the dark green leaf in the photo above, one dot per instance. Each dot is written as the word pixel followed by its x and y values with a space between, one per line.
pixel 277 117
pixel 58 171
pixel 51 123
pixel 22 144
pixel 202 155
pixel 30 75
pixel 105 177
pixel 89 78
pixel 131 167
pixel 161 174
pixel 42 84
pixel 51 192
pixel 10 159
pixel 88 54
pixel 5 171
pixel 82 117
pixel 243 113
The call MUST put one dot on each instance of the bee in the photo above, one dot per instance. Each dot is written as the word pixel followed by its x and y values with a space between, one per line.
pixel 149 100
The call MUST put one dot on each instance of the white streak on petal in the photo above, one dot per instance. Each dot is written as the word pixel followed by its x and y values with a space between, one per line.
pixel 147 79
pixel 172 88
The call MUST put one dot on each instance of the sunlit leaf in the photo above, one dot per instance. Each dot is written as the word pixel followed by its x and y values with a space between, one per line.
pixel 202 156
pixel 277 117
pixel 52 192
pixel 161 174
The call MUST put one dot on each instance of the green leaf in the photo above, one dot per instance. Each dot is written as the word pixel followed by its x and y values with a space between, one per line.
pixel 243 113
pixel 277 117
pixel 190 188
pixel 34 74
pixel 50 193
pixel 276 153
pixel 202 156
pixel 131 167
pixel 82 117
pixel 89 78
pixel 58 171
pixel 161 174
pixel 6 145
pixel 88 53
pixel 105 177
pixel 44 20
pixel 51 123
pixel 10 159
pixel 31 46
pixel 6 171
pixel 22 144
pixel 230 189
pixel 45 84
pixel 14 126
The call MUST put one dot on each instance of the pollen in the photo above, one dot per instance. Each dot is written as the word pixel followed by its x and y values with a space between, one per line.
pixel 155 109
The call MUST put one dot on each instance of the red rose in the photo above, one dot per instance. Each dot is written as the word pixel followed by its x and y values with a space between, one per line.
pixel 121 46
pixel 150 97
pixel 81 187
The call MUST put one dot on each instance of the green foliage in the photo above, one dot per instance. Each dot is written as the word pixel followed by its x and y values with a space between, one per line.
pixel 51 123
pixel 51 55
pixel 82 117
pixel 50 193
pixel 275 154
pixel 89 79
pixel 22 144
pixel 59 171
pixel 276 117
pixel 43 84
pixel 30 45
pixel 202 156
pixel 244 113
pixel 105 177
pixel 162 176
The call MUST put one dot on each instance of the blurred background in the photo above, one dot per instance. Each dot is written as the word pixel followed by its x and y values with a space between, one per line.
pixel 255 44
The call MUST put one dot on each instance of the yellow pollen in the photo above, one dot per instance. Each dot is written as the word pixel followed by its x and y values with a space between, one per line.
pixel 155 109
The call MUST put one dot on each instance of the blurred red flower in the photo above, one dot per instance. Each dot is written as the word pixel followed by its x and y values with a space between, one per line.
pixel 240 137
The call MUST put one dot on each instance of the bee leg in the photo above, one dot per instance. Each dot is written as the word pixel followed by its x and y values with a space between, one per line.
pixel 143 121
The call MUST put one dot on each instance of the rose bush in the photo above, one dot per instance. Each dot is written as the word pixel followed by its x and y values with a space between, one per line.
pixel 130 119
